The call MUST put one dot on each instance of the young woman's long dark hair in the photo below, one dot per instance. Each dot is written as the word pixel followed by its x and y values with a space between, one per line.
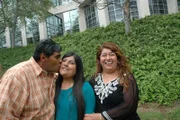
pixel 77 87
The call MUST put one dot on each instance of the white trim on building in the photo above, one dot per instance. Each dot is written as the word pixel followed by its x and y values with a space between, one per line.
pixel 143 8
pixel 7 36
pixel 172 6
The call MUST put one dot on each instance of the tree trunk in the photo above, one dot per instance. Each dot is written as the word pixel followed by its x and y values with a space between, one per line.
pixel 2 20
pixel 126 9
pixel 13 36
pixel 13 31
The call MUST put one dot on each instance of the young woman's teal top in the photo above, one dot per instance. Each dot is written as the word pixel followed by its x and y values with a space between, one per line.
pixel 66 106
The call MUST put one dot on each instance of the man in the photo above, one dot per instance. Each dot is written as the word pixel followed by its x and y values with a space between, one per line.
pixel 27 89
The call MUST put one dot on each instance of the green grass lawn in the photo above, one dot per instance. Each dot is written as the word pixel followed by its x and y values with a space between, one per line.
pixel 155 112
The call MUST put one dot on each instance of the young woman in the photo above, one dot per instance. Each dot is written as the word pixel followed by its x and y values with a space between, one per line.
pixel 114 86
pixel 74 97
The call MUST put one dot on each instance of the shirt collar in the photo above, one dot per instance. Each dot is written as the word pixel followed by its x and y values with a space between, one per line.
pixel 37 69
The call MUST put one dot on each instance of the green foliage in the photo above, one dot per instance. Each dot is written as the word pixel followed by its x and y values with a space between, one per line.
pixel 157 58
pixel 11 9
pixel 12 56
pixel 153 48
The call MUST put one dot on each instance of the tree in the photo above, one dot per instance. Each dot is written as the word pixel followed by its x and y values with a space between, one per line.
pixel 2 19
pixel 15 11
pixel 125 7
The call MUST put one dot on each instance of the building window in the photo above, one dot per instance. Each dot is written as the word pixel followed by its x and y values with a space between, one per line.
pixel 32 30
pixel 158 7
pixel 116 13
pixel 55 2
pixel 91 16
pixel 61 2
pixel 54 26
pixel 134 10
pixel 71 23
pixel 178 1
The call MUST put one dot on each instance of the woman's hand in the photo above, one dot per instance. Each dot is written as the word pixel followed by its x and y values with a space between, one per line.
pixel 94 116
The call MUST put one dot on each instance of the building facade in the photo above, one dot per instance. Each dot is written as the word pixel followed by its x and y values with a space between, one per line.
pixel 69 16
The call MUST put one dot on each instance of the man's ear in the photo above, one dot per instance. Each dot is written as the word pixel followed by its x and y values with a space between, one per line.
pixel 42 57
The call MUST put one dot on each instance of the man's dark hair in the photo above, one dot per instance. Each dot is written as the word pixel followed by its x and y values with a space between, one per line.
pixel 48 47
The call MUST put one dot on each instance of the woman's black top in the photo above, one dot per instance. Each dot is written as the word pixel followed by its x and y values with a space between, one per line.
pixel 112 102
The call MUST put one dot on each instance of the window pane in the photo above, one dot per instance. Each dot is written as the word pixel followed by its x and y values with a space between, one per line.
pixel 91 16
pixel 158 7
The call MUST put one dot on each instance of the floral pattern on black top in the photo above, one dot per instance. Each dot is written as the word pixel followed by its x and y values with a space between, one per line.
pixel 103 90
